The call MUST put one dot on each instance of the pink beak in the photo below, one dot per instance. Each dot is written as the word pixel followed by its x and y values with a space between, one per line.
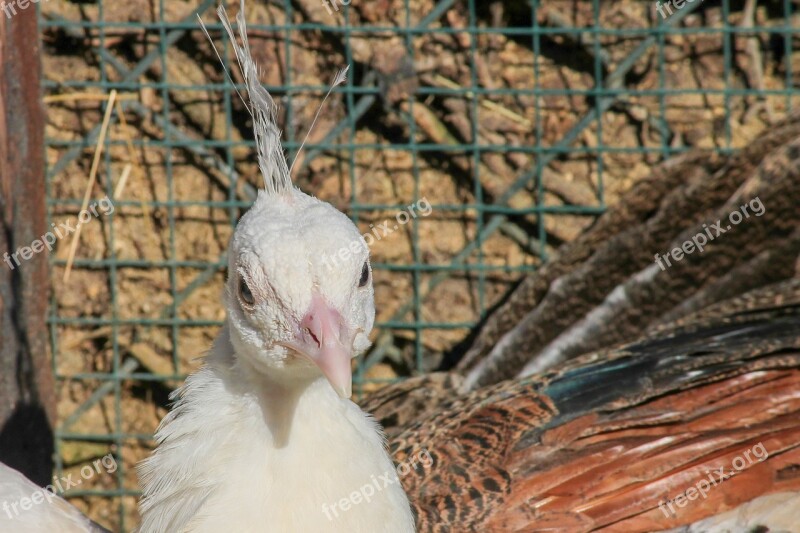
pixel 322 338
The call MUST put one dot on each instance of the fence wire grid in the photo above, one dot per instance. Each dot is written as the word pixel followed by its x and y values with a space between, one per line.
pixel 517 121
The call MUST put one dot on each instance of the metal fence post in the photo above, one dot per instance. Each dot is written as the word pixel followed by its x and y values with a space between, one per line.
pixel 27 395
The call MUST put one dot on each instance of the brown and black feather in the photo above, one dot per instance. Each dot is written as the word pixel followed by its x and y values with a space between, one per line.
pixel 599 443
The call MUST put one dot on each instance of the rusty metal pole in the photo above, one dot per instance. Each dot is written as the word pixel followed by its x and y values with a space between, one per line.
pixel 27 394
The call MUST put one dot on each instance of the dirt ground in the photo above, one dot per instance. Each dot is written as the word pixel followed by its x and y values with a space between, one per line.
pixel 174 214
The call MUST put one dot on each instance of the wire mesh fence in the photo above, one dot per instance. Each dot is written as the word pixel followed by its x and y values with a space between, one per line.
pixel 515 122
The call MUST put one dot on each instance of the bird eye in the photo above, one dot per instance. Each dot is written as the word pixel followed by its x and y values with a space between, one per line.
pixel 364 275
pixel 244 292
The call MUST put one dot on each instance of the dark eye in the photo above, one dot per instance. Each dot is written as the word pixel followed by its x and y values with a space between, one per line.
pixel 244 292
pixel 362 281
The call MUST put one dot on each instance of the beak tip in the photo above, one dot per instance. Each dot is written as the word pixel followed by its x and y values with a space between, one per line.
pixel 344 391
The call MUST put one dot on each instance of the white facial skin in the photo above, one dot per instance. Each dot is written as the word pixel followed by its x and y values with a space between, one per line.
pixel 286 269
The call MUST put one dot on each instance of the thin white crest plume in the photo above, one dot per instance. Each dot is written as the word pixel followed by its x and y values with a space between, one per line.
pixel 340 78
pixel 262 108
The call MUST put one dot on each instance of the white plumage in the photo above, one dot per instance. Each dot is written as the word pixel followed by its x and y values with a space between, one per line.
pixel 777 511
pixel 264 436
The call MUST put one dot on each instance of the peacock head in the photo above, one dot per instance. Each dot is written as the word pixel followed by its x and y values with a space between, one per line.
pixel 299 293
pixel 297 306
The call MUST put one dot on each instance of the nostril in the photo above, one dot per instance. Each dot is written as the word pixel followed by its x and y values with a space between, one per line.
pixel 311 334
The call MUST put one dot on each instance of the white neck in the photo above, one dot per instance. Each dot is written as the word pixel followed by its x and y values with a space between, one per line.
pixel 239 452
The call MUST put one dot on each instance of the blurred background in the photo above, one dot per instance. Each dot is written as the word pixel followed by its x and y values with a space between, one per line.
pixel 520 122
